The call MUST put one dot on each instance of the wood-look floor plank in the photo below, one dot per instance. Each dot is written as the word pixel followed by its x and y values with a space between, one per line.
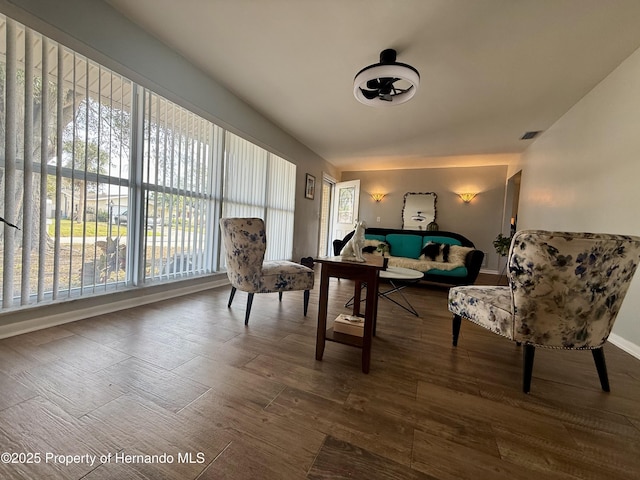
pixel 448 460
pixel 121 471
pixel 248 458
pixel 474 407
pixel 341 460
pixel 105 328
pixel 375 430
pixel 84 354
pixel 13 392
pixel 548 456
pixel 286 373
pixel 550 401
pixel 136 426
pixel 29 346
pixel 12 361
pixel 39 426
pixel 607 448
pixel 162 355
pixel 235 383
pixel 473 432
pixel 307 409
pixel 161 386
pixel 75 391
pixel 293 442
pixel 39 337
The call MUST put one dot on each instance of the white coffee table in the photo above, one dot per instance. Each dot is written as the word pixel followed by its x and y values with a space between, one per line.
pixel 400 278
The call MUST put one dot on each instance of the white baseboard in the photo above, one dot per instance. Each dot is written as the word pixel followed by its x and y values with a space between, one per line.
pixel 626 345
pixel 490 272
pixel 48 321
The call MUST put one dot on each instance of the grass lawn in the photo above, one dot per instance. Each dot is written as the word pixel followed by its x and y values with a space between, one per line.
pixel 93 229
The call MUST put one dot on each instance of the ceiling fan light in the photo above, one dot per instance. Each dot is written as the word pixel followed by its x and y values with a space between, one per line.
pixel 368 75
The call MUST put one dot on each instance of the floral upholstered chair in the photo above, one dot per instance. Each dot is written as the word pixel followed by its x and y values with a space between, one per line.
pixel 245 243
pixel 565 291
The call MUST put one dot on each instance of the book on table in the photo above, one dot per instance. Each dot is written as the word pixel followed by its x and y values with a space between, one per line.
pixel 349 325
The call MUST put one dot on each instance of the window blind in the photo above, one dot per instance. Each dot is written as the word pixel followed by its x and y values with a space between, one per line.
pixel 112 185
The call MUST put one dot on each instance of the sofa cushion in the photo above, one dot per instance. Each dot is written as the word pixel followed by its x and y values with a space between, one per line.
pixel 371 236
pixel 456 272
pixel 440 239
pixel 405 245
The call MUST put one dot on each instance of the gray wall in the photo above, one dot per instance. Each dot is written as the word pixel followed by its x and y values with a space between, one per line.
pixel 582 175
pixel 93 28
pixel 480 221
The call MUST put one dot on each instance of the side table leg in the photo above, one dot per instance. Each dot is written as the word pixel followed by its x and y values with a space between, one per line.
pixel 370 314
pixel 322 313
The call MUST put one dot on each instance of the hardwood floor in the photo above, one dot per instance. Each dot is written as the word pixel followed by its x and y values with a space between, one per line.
pixel 182 390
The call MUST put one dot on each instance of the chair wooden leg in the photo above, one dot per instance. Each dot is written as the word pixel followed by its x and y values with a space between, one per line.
pixel 457 320
pixel 306 302
pixel 527 354
pixel 280 296
pixel 233 293
pixel 598 357
pixel 249 302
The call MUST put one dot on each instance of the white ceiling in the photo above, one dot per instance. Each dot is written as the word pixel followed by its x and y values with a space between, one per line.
pixel 490 69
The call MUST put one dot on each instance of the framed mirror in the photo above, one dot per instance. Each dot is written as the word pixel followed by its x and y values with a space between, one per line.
pixel 418 210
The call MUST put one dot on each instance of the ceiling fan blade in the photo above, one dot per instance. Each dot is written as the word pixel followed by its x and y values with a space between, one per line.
pixel 398 91
pixel 369 94
pixel 387 81
pixel 373 84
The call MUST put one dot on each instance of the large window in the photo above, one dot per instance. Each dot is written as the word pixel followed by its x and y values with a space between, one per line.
pixel 260 184
pixel 113 186
pixel 181 156
pixel 65 145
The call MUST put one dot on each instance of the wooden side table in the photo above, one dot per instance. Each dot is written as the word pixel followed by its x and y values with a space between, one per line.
pixel 362 273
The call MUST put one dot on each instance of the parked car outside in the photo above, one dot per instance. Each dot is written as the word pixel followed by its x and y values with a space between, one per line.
pixel 123 218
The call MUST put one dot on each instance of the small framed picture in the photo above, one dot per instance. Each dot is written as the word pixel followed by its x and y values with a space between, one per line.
pixel 310 187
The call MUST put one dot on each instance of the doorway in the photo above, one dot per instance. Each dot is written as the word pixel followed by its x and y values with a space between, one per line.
pixel 325 242
pixel 344 208
pixel 338 211
pixel 511 204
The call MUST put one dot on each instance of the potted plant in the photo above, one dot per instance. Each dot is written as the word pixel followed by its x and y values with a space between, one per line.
pixel 502 244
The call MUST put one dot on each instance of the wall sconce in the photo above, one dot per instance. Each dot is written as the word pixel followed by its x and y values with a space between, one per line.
pixel 467 197
pixel 378 196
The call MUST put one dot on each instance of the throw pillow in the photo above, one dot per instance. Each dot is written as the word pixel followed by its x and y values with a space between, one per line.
pixel 445 252
pixel 436 252
pixel 458 254
pixel 376 247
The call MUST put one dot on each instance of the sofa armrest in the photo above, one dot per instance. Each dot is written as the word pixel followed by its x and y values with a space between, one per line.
pixel 473 262
pixel 339 244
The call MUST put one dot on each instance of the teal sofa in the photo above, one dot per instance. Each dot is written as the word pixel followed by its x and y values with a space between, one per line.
pixel 406 249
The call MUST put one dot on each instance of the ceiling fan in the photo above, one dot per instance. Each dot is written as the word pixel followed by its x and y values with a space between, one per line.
pixel 388 82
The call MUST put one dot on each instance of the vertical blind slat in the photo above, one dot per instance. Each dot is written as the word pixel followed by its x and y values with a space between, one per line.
pixel 27 202
pixel 44 153
pixel 10 165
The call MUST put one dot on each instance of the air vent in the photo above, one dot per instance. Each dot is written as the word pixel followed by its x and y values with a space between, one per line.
pixel 530 135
